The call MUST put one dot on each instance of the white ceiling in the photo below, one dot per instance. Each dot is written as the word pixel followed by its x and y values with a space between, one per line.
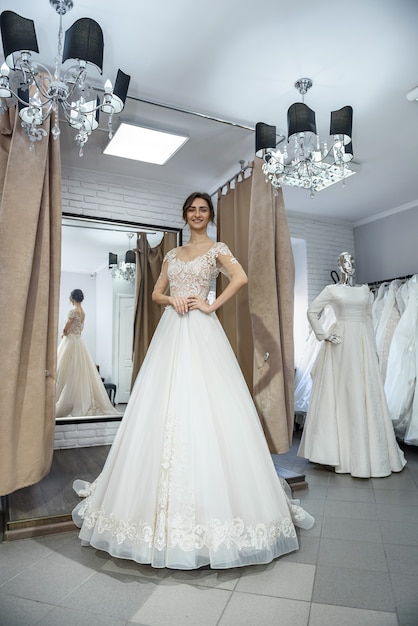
pixel 237 60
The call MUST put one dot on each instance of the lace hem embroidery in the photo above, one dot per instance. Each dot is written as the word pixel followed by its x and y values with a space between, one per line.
pixel 183 533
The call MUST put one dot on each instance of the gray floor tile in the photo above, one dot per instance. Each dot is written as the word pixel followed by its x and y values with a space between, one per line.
pixel 397 513
pixel 185 605
pixel 355 588
pixel 61 616
pixel 401 534
pixel 347 528
pixel 315 531
pixel 21 612
pixel 281 579
pixel 401 481
pixel 315 492
pixel 16 556
pixel 327 615
pixel 216 579
pixel 313 506
pixel 393 496
pixel 405 589
pixel 355 510
pixel 365 555
pixel 407 619
pixel 49 580
pixel 113 595
pixel 402 559
pixel 350 482
pixel 349 494
pixel 244 609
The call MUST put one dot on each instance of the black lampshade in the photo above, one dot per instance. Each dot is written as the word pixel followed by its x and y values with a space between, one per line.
pixel 130 256
pixel 265 137
pixel 342 123
pixel 113 259
pixel 300 119
pixel 17 33
pixel 84 42
pixel 121 85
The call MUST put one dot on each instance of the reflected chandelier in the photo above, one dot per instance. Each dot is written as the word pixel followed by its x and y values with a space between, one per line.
pixel 124 269
pixel 303 161
pixel 39 92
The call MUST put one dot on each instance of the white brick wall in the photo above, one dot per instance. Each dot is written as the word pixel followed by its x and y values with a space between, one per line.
pixel 84 435
pixel 122 197
pixel 325 240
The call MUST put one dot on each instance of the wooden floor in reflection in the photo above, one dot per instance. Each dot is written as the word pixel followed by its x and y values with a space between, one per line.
pixel 45 507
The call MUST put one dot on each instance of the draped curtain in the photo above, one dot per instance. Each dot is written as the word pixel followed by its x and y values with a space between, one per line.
pixel 251 219
pixel 232 220
pixel 271 279
pixel 147 312
pixel 30 260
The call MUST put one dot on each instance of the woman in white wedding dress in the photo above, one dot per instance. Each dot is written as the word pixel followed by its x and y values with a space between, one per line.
pixel 189 480
pixel 348 425
pixel 79 388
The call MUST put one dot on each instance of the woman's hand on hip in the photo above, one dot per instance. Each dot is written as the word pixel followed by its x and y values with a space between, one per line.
pixel 198 303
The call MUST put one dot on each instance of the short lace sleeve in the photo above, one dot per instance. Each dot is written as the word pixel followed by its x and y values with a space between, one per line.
pixel 221 249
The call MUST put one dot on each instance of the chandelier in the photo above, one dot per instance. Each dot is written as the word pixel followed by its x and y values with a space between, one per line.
pixel 39 92
pixel 304 161
pixel 124 269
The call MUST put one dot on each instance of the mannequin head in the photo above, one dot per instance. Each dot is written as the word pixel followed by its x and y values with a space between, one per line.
pixel 347 263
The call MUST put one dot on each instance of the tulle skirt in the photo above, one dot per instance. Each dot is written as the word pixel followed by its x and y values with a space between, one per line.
pixel 189 480
pixel 79 389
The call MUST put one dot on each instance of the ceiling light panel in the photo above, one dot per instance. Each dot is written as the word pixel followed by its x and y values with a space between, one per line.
pixel 144 144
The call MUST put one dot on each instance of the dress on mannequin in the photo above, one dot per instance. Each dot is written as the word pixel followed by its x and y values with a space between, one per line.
pixel 348 424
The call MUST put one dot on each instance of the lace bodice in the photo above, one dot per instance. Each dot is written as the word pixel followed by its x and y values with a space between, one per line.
pixel 197 277
pixel 76 323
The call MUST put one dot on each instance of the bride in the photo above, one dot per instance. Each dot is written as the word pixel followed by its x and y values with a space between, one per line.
pixel 189 480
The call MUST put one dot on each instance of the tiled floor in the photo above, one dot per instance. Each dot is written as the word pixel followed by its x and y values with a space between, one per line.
pixel 358 566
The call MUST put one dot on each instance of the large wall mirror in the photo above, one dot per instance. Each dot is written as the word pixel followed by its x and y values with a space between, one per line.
pixel 109 299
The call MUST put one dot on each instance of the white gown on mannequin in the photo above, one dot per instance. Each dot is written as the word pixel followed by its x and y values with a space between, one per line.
pixel 402 369
pixel 348 423
pixel 189 480
pixel 79 388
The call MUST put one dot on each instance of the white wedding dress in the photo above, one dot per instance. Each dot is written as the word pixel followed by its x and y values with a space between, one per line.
pixel 348 425
pixel 189 480
pixel 79 388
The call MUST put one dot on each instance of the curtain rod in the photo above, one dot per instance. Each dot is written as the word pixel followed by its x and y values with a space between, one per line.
pixel 243 169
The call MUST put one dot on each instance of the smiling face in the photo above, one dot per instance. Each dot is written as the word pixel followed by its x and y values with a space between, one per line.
pixel 198 214
pixel 198 208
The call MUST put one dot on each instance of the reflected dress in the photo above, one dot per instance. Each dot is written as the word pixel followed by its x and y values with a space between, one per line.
pixel 189 480
pixel 79 389
pixel 348 423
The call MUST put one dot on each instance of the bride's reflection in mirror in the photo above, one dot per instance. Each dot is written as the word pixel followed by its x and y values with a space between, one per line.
pixel 93 262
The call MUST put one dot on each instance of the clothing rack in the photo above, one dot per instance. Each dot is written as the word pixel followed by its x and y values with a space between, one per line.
pixel 376 284
pixel 235 178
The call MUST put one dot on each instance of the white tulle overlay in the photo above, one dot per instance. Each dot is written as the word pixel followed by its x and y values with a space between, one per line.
pixel 79 388
pixel 189 480
pixel 348 423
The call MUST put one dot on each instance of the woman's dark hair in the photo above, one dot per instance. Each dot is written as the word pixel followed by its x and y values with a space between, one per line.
pixel 203 196
pixel 77 295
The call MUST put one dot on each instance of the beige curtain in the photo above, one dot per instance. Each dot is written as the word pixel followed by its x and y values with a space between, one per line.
pixel 232 228
pixel 147 313
pixel 30 259
pixel 271 275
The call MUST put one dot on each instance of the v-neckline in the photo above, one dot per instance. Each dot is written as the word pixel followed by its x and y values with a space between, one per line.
pixel 196 257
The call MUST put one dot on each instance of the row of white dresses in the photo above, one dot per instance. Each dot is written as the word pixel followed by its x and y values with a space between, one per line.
pixel 348 425
pixel 395 319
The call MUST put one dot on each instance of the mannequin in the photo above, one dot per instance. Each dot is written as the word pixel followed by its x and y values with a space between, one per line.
pixel 348 424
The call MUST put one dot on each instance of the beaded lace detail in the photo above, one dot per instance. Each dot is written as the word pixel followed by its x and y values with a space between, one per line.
pixel 196 277
pixel 76 325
